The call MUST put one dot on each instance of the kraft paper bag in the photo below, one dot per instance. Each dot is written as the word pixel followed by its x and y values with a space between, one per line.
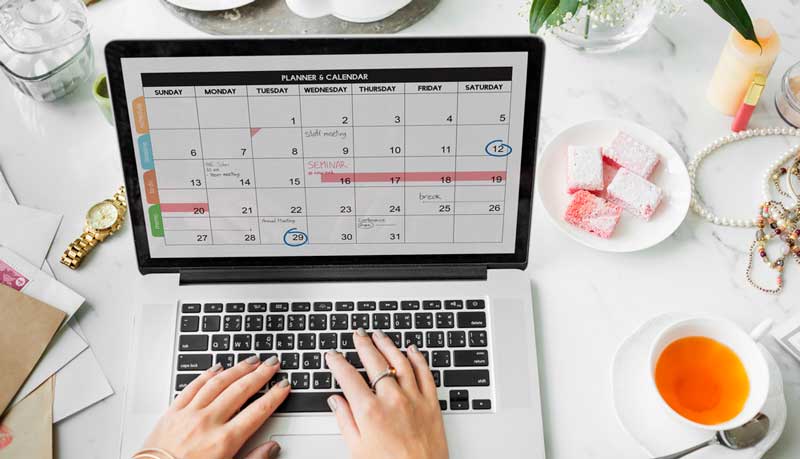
pixel 26 328
pixel 26 432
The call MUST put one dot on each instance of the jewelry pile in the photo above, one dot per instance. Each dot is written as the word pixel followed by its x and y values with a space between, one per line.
pixel 776 221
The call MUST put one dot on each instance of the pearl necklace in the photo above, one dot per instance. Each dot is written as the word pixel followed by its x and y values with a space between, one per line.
pixel 694 164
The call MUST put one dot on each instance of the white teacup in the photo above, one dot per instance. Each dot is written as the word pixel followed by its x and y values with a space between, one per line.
pixel 742 344
pixel 347 10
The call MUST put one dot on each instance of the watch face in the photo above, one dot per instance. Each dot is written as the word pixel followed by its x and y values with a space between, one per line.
pixel 102 215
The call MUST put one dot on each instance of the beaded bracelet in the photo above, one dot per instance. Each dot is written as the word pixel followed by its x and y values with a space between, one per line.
pixel 153 453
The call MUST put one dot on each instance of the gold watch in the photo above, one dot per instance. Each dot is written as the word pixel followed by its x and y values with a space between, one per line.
pixel 103 219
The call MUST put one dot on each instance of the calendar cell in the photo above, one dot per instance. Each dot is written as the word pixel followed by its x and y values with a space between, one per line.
pixel 339 202
pixel 280 173
pixel 282 202
pixel 232 203
pixel 327 111
pixel 278 111
pixel 229 173
pixel 431 109
pixel 379 110
pixel 190 237
pixel 329 173
pixel 226 143
pixel 478 228
pixel 330 142
pixel 171 113
pixel 332 230
pixel 473 141
pixel 431 171
pixel 169 92
pixel 222 112
pixel 429 228
pixel 235 237
pixel 380 201
pixel 289 231
pixel 484 108
pixel 437 141
pixel 176 144
pixel 180 174
pixel 272 90
pixel 479 208
pixel 379 141
pixel 380 229
pixel 430 200
pixel 432 87
pixel 277 143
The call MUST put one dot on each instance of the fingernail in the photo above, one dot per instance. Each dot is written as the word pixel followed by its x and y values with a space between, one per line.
pixel 413 348
pixel 332 403
pixel 252 360
pixel 274 451
pixel 271 361
pixel 283 383
pixel 361 332
pixel 217 367
pixel 379 333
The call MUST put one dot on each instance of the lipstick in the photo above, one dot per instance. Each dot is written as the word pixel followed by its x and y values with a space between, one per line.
pixel 742 118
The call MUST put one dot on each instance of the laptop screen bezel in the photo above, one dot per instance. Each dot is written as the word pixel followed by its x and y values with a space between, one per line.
pixel 115 51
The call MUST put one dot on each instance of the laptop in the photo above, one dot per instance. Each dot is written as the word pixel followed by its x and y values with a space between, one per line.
pixel 300 188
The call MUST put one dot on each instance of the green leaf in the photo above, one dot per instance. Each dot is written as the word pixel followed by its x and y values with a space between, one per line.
pixel 556 18
pixel 540 11
pixel 735 14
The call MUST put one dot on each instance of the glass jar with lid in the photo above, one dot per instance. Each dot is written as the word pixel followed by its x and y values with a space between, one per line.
pixel 45 49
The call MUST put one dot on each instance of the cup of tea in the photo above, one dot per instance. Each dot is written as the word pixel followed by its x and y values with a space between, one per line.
pixel 709 373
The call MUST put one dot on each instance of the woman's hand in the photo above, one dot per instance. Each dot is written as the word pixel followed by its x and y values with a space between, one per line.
pixel 402 419
pixel 203 422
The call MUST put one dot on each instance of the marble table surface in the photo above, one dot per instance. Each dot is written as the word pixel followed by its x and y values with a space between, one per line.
pixel 63 156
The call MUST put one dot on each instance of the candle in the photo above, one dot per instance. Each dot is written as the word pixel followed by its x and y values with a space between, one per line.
pixel 739 63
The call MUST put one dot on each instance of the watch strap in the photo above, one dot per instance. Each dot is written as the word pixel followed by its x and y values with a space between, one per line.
pixel 77 251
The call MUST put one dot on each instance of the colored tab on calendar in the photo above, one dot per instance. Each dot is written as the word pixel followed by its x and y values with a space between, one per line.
pixel 150 187
pixel 146 152
pixel 397 177
pixel 197 208
pixel 156 221
pixel 140 116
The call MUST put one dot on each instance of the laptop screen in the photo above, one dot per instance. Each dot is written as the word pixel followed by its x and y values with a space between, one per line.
pixel 328 155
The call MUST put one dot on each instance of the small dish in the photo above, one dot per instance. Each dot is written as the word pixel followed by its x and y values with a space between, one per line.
pixel 642 415
pixel 632 234
pixel 210 5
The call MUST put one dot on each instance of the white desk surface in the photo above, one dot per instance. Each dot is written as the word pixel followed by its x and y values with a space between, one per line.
pixel 63 156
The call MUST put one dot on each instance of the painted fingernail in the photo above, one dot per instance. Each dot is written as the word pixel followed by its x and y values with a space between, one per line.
pixel 413 348
pixel 252 360
pixel 217 367
pixel 274 450
pixel 283 383
pixel 379 333
pixel 271 361
pixel 332 403
pixel 361 332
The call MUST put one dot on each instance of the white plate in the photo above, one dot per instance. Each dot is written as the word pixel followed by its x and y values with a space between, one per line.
pixel 641 414
pixel 210 5
pixel 632 233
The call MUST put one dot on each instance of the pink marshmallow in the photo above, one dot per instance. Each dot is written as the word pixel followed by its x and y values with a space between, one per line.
pixel 593 214
pixel 627 152
pixel 584 169
pixel 634 194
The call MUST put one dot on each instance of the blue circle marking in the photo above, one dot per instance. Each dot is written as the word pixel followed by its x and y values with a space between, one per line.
pixel 297 240
pixel 498 148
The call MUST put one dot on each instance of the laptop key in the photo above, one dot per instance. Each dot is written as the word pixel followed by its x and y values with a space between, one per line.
pixel 354 359
pixel 477 338
pixel 312 360
pixel 254 323
pixel 300 380
pixel 280 376
pixel 193 343
pixel 242 342
pixel 476 304
pixel 434 339
pixel 445 320
pixel 256 307
pixel 413 338
pixel 402 320
pixel 359 321
pixel 220 342
pixel 345 306
pixel 431 304
pixel 317 322
pixel 307 402
pixel 243 356
pixel 471 319
pixel 279 307
pixel 423 320
pixel 290 361
pixel 232 323
pixel 459 405
pixel 339 322
pixel 466 378
pixel 306 341
pixel 459 395
pixel 440 359
pixel 211 323
pixel 442 405
pixel 301 306
pixel 346 341
pixel 284 341
pixel 328 341
pixel 234 307
pixel 388 305
pixel 409 305
pixel 194 362
pixel 456 338
pixel 381 321
pixel 471 358
pixel 437 377
pixel 190 308
pixel 323 306
pixel 322 380
pixel 275 323
pixel 481 404
pixel 367 305
pixel 263 342
pixel 396 338
pixel 190 324
pixel 183 380
pixel 454 304
pixel 296 322
pixel 212 307
pixel 226 360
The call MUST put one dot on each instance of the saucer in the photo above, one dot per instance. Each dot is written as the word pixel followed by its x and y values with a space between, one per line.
pixel 641 414
pixel 632 233
pixel 210 5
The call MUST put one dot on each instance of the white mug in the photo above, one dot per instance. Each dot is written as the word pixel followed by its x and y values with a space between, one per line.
pixel 742 344
pixel 347 10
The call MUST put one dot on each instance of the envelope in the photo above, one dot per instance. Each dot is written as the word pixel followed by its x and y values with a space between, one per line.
pixel 30 233
pixel 27 326
pixel 26 432
pixel 80 384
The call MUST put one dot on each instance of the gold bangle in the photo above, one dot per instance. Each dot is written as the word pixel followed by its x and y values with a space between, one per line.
pixel 151 453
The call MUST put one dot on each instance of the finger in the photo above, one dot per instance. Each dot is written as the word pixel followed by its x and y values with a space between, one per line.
pixel 250 419
pixel 213 388
pixel 405 373
pixel 235 395
pixel 353 385
pixel 422 371
pixel 374 362
pixel 189 392
pixel 268 450
pixel 344 417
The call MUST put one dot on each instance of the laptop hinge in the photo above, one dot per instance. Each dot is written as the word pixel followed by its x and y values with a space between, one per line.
pixel 330 273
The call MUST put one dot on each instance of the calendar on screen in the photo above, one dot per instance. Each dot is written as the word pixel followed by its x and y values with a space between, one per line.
pixel 383 154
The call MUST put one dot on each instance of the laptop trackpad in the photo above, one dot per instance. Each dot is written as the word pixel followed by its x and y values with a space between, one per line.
pixel 312 446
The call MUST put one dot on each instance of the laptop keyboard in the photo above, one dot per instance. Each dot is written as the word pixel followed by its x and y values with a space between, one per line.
pixel 452 334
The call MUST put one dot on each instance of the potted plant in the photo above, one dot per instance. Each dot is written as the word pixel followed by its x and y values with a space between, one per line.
pixel 611 25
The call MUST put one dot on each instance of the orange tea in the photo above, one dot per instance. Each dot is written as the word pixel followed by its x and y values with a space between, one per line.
pixel 702 380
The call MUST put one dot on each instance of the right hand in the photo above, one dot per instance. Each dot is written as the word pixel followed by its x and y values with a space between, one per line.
pixel 402 419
